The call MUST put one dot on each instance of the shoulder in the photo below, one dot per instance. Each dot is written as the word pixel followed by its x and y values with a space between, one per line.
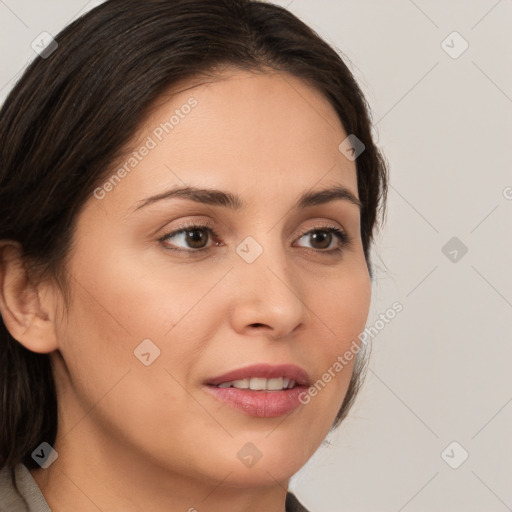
pixel 25 496
pixel 293 504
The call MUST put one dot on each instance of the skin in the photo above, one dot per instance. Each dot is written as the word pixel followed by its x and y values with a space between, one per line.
pixel 133 437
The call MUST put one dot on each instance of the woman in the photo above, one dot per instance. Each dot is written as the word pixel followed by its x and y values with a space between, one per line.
pixel 189 192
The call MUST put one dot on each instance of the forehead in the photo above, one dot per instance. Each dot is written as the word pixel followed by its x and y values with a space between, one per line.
pixel 260 135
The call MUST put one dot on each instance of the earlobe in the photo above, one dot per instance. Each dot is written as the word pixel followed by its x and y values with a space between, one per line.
pixel 22 309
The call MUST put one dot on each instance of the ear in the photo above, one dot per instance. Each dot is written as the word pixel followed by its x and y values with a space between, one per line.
pixel 23 312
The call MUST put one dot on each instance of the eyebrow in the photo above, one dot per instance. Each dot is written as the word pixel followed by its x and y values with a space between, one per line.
pixel 229 200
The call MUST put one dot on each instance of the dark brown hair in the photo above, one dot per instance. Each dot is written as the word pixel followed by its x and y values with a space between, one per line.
pixel 71 115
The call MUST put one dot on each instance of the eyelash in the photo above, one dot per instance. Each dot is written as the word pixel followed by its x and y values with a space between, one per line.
pixel 343 237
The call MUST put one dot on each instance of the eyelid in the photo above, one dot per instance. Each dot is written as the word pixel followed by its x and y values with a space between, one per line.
pixel 188 225
pixel 344 238
pixel 207 225
pixel 318 227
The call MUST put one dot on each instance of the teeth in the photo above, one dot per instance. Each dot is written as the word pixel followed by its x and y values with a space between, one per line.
pixel 241 384
pixel 260 384
pixel 273 384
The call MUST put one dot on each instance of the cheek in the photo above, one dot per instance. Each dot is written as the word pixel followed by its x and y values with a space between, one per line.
pixel 342 311
pixel 122 304
pixel 113 310
pixel 132 294
pixel 343 307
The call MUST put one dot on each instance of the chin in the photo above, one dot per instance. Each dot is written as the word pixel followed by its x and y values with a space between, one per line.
pixel 262 475
pixel 265 461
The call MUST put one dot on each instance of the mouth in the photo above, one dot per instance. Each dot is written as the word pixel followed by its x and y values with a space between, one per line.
pixel 261 390
pixel 260 384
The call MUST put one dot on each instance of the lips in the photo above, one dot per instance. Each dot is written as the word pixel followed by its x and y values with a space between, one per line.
pixel 265 371
pixel 257 399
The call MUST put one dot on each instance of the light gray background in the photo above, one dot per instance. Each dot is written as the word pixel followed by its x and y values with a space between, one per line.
pixel 440 370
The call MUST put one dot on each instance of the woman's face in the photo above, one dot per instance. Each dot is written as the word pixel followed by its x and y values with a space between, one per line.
pixel 156 321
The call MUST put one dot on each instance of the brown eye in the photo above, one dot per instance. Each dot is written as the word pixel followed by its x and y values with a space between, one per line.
pixel 193 238
pixel 322 239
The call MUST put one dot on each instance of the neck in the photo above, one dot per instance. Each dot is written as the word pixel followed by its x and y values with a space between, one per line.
pixel 91 478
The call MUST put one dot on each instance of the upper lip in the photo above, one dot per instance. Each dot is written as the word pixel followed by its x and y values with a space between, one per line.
pixel 268 371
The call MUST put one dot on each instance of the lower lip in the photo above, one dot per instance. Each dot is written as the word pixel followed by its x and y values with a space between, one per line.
pixel 264 404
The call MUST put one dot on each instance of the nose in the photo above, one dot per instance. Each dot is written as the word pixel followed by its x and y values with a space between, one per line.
pixel 267 296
